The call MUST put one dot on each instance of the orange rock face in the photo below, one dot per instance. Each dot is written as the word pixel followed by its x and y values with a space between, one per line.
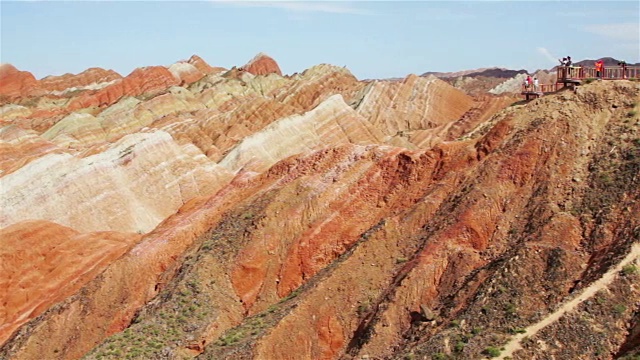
pixel 42 263
pixel 143 80
pixel 15 83
pixel 202 65
pixel 262 64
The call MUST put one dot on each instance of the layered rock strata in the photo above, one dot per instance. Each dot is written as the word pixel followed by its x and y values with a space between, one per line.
pixel 249 198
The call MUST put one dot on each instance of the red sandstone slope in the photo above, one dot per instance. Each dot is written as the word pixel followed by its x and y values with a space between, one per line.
pixel 140 81
pixel 43 263
pixel 93 78
pixel 15 83
pixel 262 64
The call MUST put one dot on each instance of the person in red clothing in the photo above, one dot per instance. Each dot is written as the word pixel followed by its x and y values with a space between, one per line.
pixel 599 69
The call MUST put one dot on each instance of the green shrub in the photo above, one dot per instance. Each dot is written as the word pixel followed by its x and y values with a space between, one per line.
pixel 629 269
pixel 631 357
pixel 619 308
pixel 229 338
pixel 510 309
pixel 492 351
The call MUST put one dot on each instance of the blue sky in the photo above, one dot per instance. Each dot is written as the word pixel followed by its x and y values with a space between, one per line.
pixel 373 39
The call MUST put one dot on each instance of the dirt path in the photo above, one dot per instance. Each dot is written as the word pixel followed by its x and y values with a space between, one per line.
pixel 514 344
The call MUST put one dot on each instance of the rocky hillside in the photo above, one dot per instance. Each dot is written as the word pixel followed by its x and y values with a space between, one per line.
pixel 242 214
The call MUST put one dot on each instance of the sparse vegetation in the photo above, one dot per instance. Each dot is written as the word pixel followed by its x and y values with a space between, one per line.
pixel 632 113
pixel 629 269
pixel 292 294
pixel 510 309
pixel 492 351
pixel 362 308
pixel 230 337
pixel 619 308
pixel 631 357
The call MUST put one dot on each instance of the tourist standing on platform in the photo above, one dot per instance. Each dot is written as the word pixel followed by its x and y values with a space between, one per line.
pixel 599 69
pixel 535 84
pixel 529 82
pixel 571 71
pixel 623 64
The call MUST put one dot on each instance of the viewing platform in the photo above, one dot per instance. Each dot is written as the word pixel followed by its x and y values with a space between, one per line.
pixel 575 75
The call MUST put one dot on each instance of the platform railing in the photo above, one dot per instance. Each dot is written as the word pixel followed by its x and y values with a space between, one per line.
pixel 608 73
pixel 543 88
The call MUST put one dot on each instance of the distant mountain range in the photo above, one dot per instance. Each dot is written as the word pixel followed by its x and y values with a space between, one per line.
pixel 608 61
pixel 487 72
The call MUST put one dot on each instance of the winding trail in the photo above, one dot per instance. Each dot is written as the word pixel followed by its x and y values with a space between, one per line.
pixel 514 344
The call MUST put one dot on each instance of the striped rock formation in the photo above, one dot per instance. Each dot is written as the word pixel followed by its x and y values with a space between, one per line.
pixel 196 203
pixel 262 64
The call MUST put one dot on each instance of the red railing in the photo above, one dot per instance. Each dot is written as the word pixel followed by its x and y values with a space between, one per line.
pixel 608 73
